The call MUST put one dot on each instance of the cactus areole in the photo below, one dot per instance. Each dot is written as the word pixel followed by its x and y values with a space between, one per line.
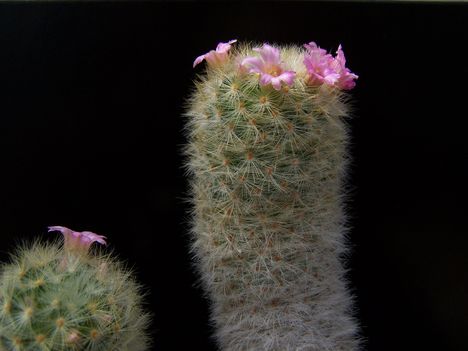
pixel 266 153
pixel 63 297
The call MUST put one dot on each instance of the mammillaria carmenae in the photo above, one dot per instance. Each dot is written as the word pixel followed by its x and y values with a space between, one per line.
pixel 267 158
pixel 63 297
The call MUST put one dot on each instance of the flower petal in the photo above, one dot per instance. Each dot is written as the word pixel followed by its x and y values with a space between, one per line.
pixel 331 78
pixel 224 47
pixel 254 64
pixel 276 83
pixel 92 237
pixel 265 79
pixel 346 81
pixel 215 57
pixel 270 54
pixel 288 77
pixel 63 230
pixel 313 48
pixel 340 58
pixel 198 60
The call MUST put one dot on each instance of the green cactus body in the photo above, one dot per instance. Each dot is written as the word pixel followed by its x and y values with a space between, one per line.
pixel 268 224
pixel 54 300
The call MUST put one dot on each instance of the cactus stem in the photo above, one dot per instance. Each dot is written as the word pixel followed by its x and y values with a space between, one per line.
pixel 267 168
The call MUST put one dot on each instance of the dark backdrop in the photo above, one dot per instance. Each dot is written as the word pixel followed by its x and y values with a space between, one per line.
pixel 91 133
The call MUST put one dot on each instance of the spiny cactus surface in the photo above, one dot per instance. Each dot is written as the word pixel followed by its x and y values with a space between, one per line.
pixel 57 299
pixel 267 156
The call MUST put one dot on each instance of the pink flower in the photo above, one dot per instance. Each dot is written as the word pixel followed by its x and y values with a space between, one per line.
pixel 79 241
pixel 323 68
pixel 319 65
pixel 216 57
pixel 269 67
pixel 346 80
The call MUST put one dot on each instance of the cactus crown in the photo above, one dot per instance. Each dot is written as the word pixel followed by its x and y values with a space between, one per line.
pixel 250 142
pixel 57 300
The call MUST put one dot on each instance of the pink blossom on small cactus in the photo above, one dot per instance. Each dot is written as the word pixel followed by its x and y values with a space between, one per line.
pixel 216 57
pixel 78 241
pixel 269 67
pixel 324 69
pixel 346 79
pixel 319 65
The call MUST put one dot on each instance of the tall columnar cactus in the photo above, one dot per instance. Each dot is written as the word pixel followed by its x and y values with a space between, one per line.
pixel 267 155
pixel 60 297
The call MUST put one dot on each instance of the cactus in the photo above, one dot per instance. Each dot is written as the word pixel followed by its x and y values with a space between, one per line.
pixel 266 154
pixel 61 297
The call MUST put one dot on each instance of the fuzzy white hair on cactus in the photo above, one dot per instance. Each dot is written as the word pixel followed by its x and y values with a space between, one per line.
pixel 267 156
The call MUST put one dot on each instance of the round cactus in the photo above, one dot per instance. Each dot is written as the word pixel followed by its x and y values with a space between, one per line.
pixel 267 155
pixel 60 297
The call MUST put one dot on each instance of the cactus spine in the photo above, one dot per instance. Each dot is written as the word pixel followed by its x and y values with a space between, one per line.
pixel 267 194
pixel 55 300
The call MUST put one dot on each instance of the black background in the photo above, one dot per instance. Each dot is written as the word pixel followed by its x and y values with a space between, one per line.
pixel 91 135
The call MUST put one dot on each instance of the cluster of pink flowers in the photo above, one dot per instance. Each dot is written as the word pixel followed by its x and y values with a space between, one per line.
pixel 78 241
pixel 322 68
